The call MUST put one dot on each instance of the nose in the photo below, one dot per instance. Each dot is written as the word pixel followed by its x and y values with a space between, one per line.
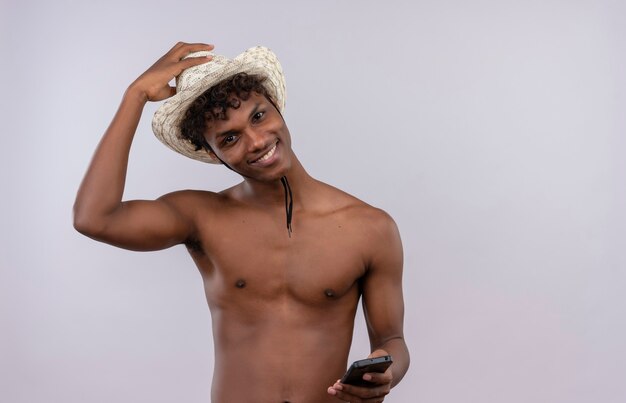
pixel 257 141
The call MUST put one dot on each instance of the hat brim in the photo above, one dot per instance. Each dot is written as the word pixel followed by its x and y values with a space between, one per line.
pixel 258 60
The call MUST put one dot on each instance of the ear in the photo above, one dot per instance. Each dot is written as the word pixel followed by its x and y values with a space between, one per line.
pixel 274 105
pixel 214 156
pixel 209 150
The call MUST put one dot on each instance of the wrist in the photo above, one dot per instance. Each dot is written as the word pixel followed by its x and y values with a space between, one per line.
pixel 136 94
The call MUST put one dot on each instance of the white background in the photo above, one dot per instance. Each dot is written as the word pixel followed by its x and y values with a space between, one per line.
pixel 492 131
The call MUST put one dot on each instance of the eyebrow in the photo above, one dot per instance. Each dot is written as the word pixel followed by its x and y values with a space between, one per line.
pixel 230 132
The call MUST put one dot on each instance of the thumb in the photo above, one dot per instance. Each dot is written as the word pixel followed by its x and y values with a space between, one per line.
pixel 378 353
pixel 172 91
pixel 163 93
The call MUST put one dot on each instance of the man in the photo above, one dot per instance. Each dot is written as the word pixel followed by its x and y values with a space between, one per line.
pixel 284 257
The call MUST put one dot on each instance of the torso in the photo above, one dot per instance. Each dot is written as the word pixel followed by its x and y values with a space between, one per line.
pixel 282 308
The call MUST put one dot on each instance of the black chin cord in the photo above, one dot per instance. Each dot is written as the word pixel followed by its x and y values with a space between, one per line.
pixel 288 196
pixel 288 202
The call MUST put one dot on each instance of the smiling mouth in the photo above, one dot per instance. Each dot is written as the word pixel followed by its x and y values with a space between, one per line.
pixel 267 155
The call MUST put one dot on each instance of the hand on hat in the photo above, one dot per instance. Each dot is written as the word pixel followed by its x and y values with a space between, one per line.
pixel 153 85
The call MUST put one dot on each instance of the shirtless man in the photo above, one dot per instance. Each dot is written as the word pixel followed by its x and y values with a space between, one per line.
pixel 282 302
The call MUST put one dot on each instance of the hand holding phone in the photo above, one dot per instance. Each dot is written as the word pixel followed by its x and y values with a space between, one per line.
pixel 354 375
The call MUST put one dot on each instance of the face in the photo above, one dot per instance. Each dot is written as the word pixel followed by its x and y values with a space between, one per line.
pixel 253 140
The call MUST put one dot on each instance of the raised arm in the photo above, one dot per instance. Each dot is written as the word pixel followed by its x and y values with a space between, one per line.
pixel 98 210
pixel 383 306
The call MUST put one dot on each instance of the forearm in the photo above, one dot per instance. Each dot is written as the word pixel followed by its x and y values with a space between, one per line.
pixel 102 188
pixel 397 348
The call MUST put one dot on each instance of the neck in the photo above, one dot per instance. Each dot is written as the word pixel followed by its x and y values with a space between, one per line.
pixel 273 193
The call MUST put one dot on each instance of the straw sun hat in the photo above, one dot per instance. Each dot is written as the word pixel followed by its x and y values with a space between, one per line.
pixel 197 79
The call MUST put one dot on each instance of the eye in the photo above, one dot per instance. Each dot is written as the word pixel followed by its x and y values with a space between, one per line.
pixel 229 139
pixel 258 116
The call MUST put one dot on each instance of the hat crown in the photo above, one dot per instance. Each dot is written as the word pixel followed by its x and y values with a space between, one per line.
pixel 194 74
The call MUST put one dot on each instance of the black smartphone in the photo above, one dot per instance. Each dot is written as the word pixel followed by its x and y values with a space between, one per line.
pixel 354 374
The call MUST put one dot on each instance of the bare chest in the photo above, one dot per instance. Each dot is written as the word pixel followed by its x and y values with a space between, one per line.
pixel 254 259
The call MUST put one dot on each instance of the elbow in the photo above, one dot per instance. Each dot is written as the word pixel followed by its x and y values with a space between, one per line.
pixel 86 224
pixel 82 226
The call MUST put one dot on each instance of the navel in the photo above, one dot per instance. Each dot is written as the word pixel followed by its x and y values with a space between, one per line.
pixel 240 283
pixel 329 293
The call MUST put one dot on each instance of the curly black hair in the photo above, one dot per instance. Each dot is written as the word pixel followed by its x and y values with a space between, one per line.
pixel 213 103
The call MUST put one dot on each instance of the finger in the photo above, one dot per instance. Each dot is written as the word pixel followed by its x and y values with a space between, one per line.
pixel 364 392
pixel 342 395
pixel 378 377
pixel 348 397
pixel 194 61
pixel 378 353
pixel 182 49
pixel 161 94
pixel 180 45
pixel 179 67
pixel 194 47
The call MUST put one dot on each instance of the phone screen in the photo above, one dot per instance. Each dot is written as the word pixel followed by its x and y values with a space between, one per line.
pixel 354 375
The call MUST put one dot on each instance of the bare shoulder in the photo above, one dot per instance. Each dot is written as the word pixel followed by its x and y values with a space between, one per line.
pixel 378 236
pixel 363 216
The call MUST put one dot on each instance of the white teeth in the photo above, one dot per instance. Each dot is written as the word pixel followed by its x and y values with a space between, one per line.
pixel 268 155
